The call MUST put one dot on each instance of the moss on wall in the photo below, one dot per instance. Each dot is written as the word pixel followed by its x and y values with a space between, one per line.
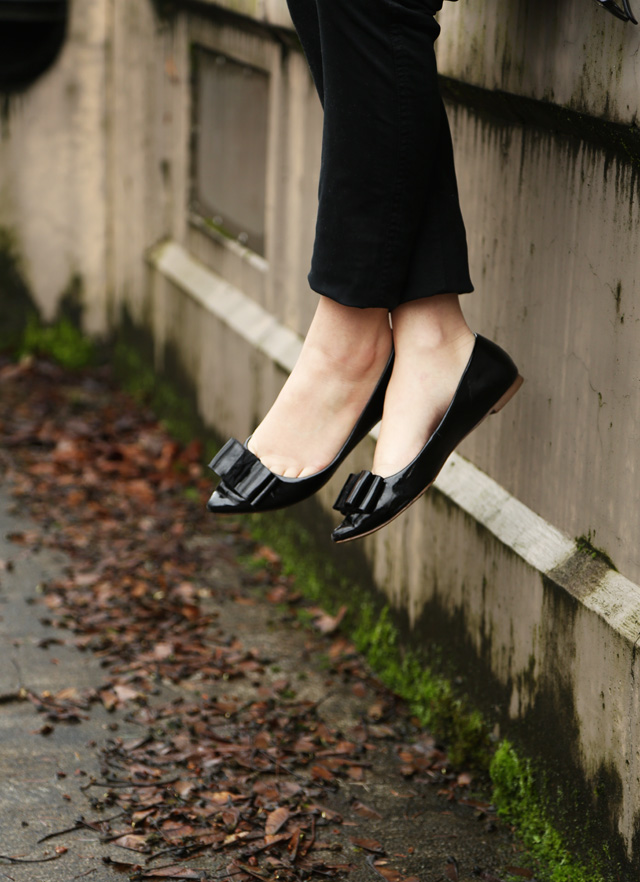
pixel 22 329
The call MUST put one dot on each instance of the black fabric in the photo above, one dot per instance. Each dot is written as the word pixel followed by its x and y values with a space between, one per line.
pixel 389 227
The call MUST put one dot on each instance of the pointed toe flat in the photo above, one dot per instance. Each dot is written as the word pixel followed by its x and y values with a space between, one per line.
pixel 369 502
pixel 247 485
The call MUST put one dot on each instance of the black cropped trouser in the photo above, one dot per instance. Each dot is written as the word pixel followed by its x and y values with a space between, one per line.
pixel 389 228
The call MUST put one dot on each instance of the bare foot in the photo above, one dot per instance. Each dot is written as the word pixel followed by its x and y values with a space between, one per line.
pixel 343 357
pixel 433 345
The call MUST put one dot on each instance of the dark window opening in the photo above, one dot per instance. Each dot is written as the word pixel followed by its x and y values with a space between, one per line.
pixel 31 34
pixel 230 146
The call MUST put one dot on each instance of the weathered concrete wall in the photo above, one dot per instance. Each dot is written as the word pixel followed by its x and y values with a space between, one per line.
pixel 94 157
pixel 53 167
pixel 574 53
pixel 556 267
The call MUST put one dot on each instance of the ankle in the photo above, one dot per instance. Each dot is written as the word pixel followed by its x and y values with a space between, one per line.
pixel 431 325
pixel 355 355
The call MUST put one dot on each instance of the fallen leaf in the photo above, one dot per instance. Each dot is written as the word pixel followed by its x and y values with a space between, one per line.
pixel 451 870
pixel 276 820
pixel 268 554
pixel 121 866
pixel 132 841
pixel 371 845
pixel 327 624
pixel 321 773
pixel 364 811
pixel 171 873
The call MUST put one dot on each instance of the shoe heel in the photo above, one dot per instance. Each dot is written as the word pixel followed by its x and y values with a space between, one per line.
pixel 508 395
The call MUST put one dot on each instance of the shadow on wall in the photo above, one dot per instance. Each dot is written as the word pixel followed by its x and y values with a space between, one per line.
pixel 18 309
pixel 16 302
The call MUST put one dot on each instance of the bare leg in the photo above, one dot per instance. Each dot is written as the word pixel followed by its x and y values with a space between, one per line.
pixel 433 344
pixel 341 361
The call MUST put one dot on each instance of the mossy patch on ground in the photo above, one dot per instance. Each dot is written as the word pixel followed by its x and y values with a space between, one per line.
pixel 518 800
pixel 61 341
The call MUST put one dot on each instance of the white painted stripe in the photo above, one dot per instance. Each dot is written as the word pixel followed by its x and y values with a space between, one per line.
pixel 535 540
pixel 229 304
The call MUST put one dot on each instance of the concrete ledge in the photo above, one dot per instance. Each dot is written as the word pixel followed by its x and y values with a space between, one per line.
pixel 492 586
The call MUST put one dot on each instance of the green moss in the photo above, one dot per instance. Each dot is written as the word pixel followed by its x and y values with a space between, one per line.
pixel 585 544
pixel 22 330
pixel 61 341
pixel 519 802
pixel 219 228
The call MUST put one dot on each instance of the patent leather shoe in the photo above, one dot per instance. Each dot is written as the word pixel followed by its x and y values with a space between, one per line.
pixel 249 486
pixel 624 12
pixel 370 501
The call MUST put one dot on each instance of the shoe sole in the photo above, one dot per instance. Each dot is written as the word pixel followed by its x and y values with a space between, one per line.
pixel 500 403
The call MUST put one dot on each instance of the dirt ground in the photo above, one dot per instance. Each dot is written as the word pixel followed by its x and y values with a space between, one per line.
pixel 170 705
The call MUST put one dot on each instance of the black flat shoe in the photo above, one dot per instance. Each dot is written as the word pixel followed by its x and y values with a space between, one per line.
pixel 624 13
pixel 249 486
pixel 369 501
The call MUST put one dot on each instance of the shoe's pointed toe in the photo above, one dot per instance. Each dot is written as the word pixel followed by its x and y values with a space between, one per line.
pixel 348 529
pixel 223 501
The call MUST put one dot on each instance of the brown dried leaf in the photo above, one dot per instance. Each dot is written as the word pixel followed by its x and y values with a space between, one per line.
pixel 388 873
pixel 263 551
pixel 171 873
pixel 364 811
pixel 451 870
pixel 276 820
pixel 321 773
pixel 371 845
pixel 327 624
pixel 132 841
pixel 121 866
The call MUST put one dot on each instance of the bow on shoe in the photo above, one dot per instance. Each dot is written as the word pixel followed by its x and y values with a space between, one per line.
pixel 625 14
pixel 360 494
pixel 243 472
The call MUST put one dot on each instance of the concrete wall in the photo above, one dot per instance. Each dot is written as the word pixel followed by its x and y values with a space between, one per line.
pixel 96 179
pixel 53 168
